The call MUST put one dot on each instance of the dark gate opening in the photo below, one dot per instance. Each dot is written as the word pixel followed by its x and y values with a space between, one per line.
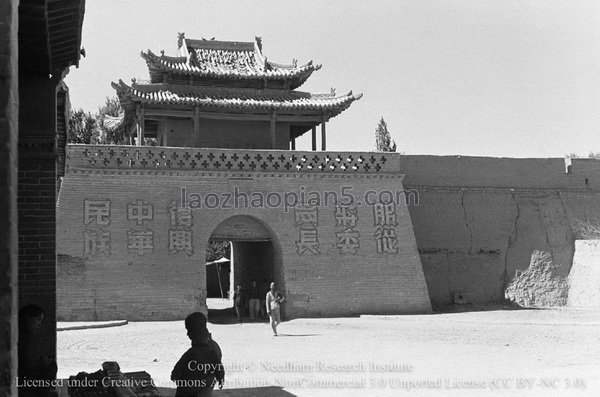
pixel 253 256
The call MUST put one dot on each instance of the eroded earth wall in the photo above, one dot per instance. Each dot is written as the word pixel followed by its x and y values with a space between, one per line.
pixel 479 220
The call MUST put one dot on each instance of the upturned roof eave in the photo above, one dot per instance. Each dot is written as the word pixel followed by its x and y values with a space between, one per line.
pixel 130 95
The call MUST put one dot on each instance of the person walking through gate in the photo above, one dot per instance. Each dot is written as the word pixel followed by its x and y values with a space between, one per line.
pixel 264 288
pixel 273 304
pixel 238 302
pixel 254 302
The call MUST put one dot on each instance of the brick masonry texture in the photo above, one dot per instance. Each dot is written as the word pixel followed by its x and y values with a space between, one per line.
pixel 477 223
pixel 8 195
pixel 142 284
pixel 37 201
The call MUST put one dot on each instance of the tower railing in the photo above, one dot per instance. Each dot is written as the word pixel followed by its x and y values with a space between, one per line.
pixel 216 159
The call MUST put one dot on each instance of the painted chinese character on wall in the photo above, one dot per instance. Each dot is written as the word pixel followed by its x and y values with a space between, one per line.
pixel 180 216
pixel 140 242
pixel 384 220
pixel 307 219
pixel 96 242
pixel 140 212
pixel 96 211
pixel 180 233
pixel 180 241
pixel 348 239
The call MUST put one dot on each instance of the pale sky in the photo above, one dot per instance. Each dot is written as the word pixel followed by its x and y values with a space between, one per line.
pixel 503 78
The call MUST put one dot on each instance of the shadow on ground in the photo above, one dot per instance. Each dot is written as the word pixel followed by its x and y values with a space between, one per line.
pixel 284 335
pixel 227 316
pixel 268 391
pixel 471 307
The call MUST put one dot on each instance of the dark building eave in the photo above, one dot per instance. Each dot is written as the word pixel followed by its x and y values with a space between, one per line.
pixel 49 35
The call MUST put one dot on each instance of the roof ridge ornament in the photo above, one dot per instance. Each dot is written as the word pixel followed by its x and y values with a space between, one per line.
pixel 182 50
pixel 258 42
pixel 332 91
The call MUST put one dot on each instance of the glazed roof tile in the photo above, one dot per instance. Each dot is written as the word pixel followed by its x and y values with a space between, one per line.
pixel 230 60
pixel 227 64
pixel 234 98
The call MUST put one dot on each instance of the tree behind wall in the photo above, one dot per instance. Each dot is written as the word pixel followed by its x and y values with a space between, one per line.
pixel 383 139
pixel 82 127
pixel 217 249
pixel 88 128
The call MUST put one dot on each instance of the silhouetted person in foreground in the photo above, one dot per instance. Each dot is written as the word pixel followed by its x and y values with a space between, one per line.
pixel 36 371
pixel 200 368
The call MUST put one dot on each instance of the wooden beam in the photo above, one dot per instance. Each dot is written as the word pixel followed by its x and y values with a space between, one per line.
pixel 314 139
pixel 170 113
pixel 58 34
pixel 59 10
pixel 273 129
pixel 189 113
pixel 299 119
pixel 62 18
pixel 56 25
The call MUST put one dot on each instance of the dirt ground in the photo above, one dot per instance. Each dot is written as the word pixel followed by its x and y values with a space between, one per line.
pixel 489 352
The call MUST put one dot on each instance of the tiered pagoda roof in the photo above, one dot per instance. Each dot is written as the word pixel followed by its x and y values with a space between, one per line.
pixel 222 79
pixel 226 60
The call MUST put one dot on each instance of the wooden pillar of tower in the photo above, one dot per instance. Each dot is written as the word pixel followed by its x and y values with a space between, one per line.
pixel 314 139
pixel 273 129
pixel 138 133
pixel 162 132
pixel 196 122
pixel 140 127
pixel 323 134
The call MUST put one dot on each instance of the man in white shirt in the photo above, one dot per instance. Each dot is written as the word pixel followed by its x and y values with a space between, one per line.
pixel 273 302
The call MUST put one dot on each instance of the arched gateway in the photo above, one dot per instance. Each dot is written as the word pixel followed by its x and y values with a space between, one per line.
pixel 255 254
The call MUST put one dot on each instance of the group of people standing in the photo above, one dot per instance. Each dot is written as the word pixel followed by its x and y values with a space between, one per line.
pixel 257 305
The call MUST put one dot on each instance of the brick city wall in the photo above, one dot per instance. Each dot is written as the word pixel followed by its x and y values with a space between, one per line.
pixel 480 219
pixel 9 114
pixel 118 261
pixel 37 201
